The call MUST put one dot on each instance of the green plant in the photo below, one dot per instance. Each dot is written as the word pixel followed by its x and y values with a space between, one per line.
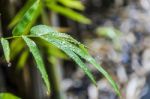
pixel 8 96
pixel 48 36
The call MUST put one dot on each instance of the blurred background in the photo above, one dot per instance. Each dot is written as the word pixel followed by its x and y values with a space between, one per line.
pixel 116 33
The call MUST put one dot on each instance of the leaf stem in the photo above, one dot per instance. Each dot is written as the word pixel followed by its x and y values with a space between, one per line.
pixel 13 37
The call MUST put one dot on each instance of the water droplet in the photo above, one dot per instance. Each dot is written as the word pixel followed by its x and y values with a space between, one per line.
pixel 98 59
pixel 9 64
pixel 48 93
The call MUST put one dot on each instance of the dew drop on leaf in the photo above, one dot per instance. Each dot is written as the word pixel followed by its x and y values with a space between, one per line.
pixel 9 64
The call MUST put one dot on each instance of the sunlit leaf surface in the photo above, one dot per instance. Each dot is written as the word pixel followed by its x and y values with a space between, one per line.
pixel 6 49
pixel 8 96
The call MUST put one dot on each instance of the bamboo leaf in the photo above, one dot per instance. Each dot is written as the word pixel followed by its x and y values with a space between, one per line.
pixel 80 63
pixel 40 30
pixel 69 13
pixel 22 60
pixel 70 53
pixel 8 96
pixel 29 16
pixel 72 49
pixel 6 49
pixel 20 14
pixel 76 4
pixel 14 46
pixel 40 64
pixel 81 51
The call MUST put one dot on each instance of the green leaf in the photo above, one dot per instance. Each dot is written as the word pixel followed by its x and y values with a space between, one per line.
pixel 40 64
pixel 40 30
pixel 54 51
pixel 29 16
pixel 76 4
pixel 80 63
pixel 20 14
pixel 69 13
pixel 22 60
pixel 6 49
pixel 70 53
pixel 14 46
pixel 71 49
pixel 81 51
pixel 8 96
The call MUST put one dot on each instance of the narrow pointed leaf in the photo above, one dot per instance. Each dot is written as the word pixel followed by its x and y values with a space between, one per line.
pixel 8 96
pixel 16 49
pixel 6 49
pixel 80 63
pixel 29 16
pixel 23 59
pixel 81 51
pixel 76 4
pixel 40 64
pixel 69 13
pixel 70 53
pixel 20 14
pixel 46 30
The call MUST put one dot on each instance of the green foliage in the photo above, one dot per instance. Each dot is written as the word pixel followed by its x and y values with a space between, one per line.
pixel 62 41
pixel 76 4
pixel 53 5
pixel 40 64
pixel 23 58
pixel 69 13
pixel 71 49
pixel 8 96
pixel 21 13
pixel 31 13
pixel 6 49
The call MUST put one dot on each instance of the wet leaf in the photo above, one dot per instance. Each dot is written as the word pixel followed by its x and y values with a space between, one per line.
pixel 40 64
pixel 6 49
pixel 40 30
pixel 70 53
pixel 72 50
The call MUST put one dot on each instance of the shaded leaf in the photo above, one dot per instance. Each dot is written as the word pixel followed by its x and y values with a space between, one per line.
pixel 29 16
pixel 40 64
pixel 69 13
pixel 8 96
pixel 20 14
pixel 6 49
pixel 54 51
pixel 22 60
pixel 14 46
